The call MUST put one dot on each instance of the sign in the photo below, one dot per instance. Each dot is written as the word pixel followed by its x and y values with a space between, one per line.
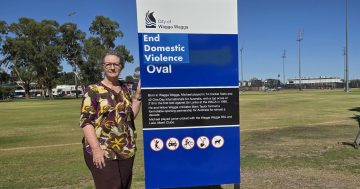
pixel 189 75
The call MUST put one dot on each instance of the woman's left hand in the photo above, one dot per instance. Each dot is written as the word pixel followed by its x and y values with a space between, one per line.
pixel 136 100
pixel 138 91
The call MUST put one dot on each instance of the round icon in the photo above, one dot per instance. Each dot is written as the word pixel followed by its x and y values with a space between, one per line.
pixel 188 143
pixel 217 141
pixel 172 143
pixel 156 144
pixel 203 142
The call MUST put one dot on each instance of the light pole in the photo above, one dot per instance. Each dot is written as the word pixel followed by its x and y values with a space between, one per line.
pixel 299 39
pixel 346 53
pixel 283 57
pixel 241 64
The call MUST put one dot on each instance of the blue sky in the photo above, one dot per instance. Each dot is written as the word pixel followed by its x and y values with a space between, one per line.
pixel 266 28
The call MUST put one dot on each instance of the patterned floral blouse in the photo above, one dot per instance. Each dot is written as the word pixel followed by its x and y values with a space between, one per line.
pixel 113 119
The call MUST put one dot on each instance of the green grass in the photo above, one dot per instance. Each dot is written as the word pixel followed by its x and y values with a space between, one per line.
pixel 39 122
pixel 289 139
pixel 294 108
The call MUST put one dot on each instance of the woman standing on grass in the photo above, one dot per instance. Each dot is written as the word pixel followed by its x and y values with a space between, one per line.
pixel 107 119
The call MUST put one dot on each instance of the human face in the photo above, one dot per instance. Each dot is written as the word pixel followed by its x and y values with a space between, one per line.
pixel 112 66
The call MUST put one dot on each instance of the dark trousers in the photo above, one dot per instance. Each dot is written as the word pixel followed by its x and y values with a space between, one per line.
pixel 117 174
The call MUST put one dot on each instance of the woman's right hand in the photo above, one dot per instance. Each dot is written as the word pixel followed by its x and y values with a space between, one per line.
pixel 99 158
pixel 97 153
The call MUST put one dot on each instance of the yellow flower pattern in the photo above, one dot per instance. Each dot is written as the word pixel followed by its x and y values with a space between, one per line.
pixel 117 143
pixel 112 117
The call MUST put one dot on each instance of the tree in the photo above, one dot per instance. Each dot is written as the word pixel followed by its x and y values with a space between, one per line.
pixel 17 51
pixel 66 78
pixel 137 74
pixel 49 53
pixel 355 83
pixel 104 34
pixel 34 52
pixel 125 53
pixel 90 70
pixel 72 39
pixel 106 30
pixel 4 77
pixel 129 78
pixel 5 92
pixel 3 31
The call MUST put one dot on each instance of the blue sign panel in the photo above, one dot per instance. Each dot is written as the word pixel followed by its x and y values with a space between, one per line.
pixel 213 55
pixel 191 116
pixel 190 92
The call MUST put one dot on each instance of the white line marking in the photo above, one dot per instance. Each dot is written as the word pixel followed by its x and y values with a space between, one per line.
pixel 34 147
pixel 241 130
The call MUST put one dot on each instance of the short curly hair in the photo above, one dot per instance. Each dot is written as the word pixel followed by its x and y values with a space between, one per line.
pixel 114 53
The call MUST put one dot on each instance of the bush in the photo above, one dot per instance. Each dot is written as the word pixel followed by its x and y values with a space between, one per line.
pixel 5 92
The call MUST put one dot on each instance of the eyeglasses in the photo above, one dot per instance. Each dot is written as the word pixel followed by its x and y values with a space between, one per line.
pixel 111 65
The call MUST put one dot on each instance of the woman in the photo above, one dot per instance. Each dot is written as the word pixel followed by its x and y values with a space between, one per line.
pixel 107 119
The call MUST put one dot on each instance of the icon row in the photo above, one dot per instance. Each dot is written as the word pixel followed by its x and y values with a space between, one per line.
pixel 187 143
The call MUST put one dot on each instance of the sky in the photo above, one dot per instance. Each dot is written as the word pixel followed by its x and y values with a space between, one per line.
pixel 266 28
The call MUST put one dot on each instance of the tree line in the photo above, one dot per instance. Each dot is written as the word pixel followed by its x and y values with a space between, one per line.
pixel 33 50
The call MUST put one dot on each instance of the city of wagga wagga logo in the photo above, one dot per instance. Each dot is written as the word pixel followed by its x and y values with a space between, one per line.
pixel 150 21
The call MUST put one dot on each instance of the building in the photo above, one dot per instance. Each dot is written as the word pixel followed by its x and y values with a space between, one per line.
pixel 272 83
pixel 66 90
pixel 255 83
pixel 316 83
pixel 252 85
pixel 34 91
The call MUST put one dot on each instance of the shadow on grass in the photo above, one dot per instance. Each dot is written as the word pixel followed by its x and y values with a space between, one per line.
pixel 352 144
pixel 356 109
pixel 356 117
pixel 356 142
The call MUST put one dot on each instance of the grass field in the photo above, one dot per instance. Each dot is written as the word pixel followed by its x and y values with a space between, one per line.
pixel 289 139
